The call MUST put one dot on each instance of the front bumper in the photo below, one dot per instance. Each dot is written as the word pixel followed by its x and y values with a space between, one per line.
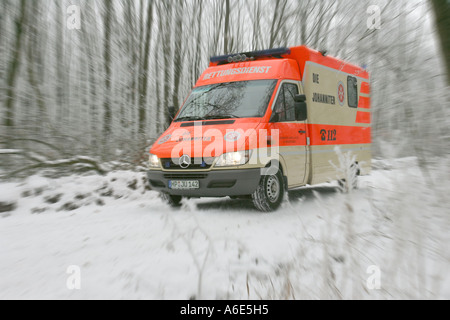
pixel 218 183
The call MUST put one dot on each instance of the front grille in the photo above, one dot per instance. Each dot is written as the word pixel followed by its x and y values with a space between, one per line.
pixel 197 164
pixel 182 176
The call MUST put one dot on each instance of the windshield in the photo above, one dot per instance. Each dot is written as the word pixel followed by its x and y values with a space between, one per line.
pixel 243 99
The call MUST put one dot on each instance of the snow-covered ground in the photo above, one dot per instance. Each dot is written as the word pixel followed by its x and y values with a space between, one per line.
pixel 127 244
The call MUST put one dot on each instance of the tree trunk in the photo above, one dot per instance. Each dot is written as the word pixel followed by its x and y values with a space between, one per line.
pixel 14 65
pixel 89 50
pixel 107 116
pixel 178 65
pixel 34 57
pixel 278 20
pixel 442 13
pixel 226 32
pixel 198 43
pixel 159 111
pixel 60 77
pixel 143 79
pixel 167 53
pixel 133 55
pixel 3 39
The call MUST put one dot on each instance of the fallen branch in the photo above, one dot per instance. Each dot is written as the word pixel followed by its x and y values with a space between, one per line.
pixel 59 164
pixel 10 151
pixel 49 145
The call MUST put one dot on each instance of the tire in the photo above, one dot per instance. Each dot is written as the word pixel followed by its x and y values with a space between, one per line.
pixel 270 192
pixel 173 201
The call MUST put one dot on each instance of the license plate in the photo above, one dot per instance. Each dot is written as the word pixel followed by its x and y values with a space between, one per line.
pixel 184 184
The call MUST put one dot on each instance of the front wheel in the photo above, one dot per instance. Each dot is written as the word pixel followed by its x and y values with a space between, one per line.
pixel 269 194
pixel 173 201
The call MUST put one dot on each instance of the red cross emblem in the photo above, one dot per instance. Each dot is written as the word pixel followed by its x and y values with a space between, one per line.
pixel 341 93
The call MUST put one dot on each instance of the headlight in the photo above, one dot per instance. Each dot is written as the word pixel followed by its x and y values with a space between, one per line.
pixel 153 161
pixel 233 159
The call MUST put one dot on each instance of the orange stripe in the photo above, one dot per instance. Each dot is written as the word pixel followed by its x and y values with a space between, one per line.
pixel 364 102
pixel 365 88
pixel 362 117
pixel 332 134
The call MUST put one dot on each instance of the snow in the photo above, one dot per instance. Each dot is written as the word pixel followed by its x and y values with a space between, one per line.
pixel 129 245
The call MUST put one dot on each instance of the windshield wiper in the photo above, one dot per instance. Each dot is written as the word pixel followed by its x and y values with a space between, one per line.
pixel 223 116
pixel 207 117
pixel 181 119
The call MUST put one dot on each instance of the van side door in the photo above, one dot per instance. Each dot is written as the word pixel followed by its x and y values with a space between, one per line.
pixel 292 133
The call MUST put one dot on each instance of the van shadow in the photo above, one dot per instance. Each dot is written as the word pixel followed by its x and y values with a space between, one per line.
pixel 307 193
pixel 302 194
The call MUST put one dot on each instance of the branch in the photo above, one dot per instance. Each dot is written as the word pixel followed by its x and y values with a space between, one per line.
pixel 10 151
pixel 58 164
pixel 36 141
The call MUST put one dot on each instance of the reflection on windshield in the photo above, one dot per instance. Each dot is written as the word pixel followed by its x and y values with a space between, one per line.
pixel 243 99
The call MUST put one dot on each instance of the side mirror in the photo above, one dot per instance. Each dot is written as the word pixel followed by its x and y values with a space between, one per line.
pixel 300 107
pixel 172 112
pixel 299 98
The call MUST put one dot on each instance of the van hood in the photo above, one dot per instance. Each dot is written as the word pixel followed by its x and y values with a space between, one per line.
pixel 209 138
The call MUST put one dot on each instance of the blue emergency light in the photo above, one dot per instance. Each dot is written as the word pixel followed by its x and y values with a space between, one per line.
pixel 241 57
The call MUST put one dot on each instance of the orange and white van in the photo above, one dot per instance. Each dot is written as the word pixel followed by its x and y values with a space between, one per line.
pixel 257 124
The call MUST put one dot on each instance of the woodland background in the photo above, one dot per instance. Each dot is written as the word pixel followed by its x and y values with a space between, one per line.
pixel 80 98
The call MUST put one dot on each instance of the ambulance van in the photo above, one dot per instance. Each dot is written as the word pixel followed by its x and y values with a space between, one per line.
pixel 258 124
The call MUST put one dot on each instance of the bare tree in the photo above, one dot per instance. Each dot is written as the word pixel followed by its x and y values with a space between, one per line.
pixel 13 71
pixel 197 57
pixel 278 19
pixel 4 8
pixel 108 22
pixel 88 47
pixel 226 32
pixel 132 49
pixel 178 55
pixel 166 12
pixel 215 27
pixel 34 55
pixel 59 47
pixel 442 13
pixel 256 12
pixel 144 75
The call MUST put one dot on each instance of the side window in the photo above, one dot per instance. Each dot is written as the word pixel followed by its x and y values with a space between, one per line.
pixel 279 106
pixel 285 104
pixel 290 90
pixel 352 92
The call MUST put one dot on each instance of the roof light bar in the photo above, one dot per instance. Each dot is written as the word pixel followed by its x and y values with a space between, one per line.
pixel 241 57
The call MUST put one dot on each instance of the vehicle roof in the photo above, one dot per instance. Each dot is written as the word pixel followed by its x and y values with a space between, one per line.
pixel 288 65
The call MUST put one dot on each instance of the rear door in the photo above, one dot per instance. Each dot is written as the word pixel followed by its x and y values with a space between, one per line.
pixel 292 133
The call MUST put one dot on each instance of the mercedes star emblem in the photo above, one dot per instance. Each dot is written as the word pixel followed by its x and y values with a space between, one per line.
pixel 185 161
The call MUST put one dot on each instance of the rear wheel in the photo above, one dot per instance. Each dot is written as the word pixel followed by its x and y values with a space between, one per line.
pixel 269 194
pixel 173 201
